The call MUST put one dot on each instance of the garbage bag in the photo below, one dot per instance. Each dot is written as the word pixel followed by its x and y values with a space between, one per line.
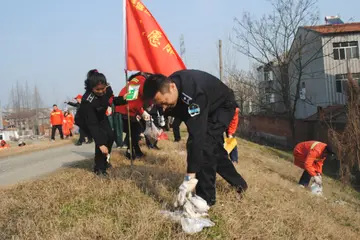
pixel 152 132
pixel 195 225
pixel 316 189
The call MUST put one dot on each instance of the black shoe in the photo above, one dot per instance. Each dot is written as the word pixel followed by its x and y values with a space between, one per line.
pixel 108 165
pixel 101 173
pixel 177 140
pixel 78 143
pixel 139 154
pixel 89 141
pixel 127 155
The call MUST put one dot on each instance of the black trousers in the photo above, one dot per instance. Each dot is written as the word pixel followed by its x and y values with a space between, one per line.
pixel 136 130
pixel 54 127
pixel 100 159
pixel 216 161
pixel 176 129
pixel 82 135
pixel 305 179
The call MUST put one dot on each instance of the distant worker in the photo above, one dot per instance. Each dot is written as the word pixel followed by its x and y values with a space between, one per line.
pixel 310 156
pixel 56 121
pixel 230 134
pixel 68 124
pixel 3 144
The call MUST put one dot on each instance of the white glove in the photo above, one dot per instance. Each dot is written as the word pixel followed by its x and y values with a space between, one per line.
pixel 146 116
pixel 318 179
pixel 231 136
pixel 162 121
pixel 185 188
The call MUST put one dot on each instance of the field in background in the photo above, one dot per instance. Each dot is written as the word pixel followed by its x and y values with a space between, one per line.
pixel 74 204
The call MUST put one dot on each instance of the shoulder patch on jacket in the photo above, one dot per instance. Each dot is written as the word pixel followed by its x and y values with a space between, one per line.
pixel 186 98
pixel 91 97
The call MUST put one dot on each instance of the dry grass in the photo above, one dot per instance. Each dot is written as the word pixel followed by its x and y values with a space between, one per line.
pixel 74 204
pixel 33 147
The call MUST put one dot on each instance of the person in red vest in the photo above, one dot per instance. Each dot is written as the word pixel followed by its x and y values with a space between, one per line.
pixel 3 144
pixel 136 109
pixel 68 124
pixel 310 156
pixel 230 133
pixel 56 121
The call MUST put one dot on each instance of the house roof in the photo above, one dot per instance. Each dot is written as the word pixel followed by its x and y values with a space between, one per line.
pixel 330 112
pixel 336 28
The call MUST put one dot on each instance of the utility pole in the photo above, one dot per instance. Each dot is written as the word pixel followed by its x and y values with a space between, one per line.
pixel 182 48
pixel 220 61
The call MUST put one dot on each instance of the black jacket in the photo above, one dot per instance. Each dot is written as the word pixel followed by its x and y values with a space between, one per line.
pixel 202 98
pixel 91 116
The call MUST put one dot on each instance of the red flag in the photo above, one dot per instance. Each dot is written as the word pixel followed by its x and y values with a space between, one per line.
pixel 147 47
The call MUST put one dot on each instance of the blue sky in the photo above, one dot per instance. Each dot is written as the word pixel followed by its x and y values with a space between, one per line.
pixel 54 43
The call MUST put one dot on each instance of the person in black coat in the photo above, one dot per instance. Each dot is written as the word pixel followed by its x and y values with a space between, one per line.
pixel 91 117
pixel 81 132
pixel 206 105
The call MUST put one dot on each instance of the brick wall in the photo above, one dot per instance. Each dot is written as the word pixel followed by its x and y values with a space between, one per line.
pixel 277 129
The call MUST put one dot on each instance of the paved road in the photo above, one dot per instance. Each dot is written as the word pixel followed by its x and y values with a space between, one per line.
pixel 28 166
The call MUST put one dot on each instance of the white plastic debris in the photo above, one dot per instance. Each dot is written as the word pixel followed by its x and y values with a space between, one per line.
pixel 152 132
pixel 195 225
pixel 316 189
pixel 192 216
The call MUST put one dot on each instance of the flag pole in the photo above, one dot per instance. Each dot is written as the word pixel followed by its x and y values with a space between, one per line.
pixel 126 80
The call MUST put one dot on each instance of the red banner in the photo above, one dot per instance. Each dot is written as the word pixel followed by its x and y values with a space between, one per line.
pixel 148 49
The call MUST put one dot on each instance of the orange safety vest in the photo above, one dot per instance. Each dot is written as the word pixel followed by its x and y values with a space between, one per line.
pixel 56 117
pixel 308 156
pixel 69 119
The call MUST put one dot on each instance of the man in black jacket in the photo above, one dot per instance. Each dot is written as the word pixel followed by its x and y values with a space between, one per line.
pixel 207 106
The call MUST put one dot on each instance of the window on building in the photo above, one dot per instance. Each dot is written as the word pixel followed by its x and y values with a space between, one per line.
pixel 270 97
pixel 341 81
pixel 346 50
pixel 266 76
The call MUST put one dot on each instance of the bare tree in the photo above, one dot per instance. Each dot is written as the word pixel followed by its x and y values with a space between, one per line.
pixel 347 142
pixel 27 96
pixel 246 89
pixel 36 99
pixel 276 43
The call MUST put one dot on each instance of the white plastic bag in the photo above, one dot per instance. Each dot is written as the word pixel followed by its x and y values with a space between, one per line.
pixel 316 189
pixel 152 132
pixel 195 225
